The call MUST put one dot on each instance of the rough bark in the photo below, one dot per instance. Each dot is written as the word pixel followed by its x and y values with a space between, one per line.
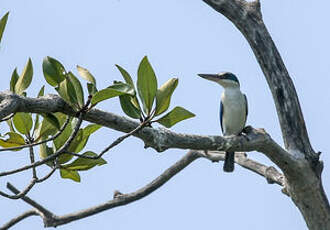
pixel 159 139
pixel 304 177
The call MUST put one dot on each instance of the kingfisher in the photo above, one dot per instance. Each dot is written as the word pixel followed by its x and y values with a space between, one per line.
pixel 233 110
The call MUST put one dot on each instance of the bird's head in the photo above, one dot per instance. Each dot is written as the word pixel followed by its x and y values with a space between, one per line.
pixel 225 79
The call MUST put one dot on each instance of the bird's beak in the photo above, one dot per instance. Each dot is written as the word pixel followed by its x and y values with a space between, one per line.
pixel 211 77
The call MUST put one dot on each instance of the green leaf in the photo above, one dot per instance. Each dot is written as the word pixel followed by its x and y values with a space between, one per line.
pixel 45 151
pixel 13 80
pixel 63 158
pixel 54 71
pixel 91 128
pixel 128 107
pixel 36 124
pixel 122 87
pixel 81 164
pixel 78 143
pixel 52 119
pixel 3 22
pixel 91 88
pixel 23 122
pixel 84 73
pixel 87 131
pixel 164 94
pixel 44 129
pixel 61 139
pixel 13 140
pixel 146 84
pixel 126 76
pixel 10 124
pixel 25 79
pixel 70 174
pixel 62 90
pixel 173 117
pixel 41 91
pixel 78 138
pixel 67 92
pixel 78 89
pixel 113 91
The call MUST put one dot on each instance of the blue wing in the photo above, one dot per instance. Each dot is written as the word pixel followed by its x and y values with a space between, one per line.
pixel 221 114
pixel 246 107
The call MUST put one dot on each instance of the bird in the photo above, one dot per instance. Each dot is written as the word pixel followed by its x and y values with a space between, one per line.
pixel 233 110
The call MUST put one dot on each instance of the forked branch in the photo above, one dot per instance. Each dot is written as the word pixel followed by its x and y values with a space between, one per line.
pixel 51 220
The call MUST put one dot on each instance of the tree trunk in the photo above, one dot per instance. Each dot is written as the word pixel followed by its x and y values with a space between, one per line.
pixel 303 175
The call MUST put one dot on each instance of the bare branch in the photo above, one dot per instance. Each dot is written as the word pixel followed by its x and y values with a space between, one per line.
pixel 34 172
pixel 113 144
pixel 269 172
pixel 7 118
pixel 120 139
pixel 45 213
pixel 21 194
pixel 19 218
pixel 121 199
pixel 51 220
pixel 39 180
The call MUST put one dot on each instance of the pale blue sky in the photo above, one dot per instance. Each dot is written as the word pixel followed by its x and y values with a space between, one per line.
pixel 181 39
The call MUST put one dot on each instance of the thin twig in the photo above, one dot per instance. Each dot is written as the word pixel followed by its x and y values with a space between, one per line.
pixel 7 118
pixel 21 194
pixel 47 176
pixel 120 139
pixel 34 171
pixel 119 200
pixel 52 220
pixel 40 142
pixel 31 202
pixel 113 144
pixel 51 157
pixel 269 172
pixel 19 218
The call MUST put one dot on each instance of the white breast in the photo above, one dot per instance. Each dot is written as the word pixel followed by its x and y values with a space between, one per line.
pixel 234 109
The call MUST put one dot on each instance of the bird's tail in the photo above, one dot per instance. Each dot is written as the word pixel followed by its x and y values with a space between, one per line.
pixel 228 165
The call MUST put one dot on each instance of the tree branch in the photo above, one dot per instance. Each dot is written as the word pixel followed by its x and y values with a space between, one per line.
pixel 19 218
pixel 45 212
pixel 270 173
pixel 51 220
pixel 247 17
pixel 303 178
pixel 7 104
pixel 7 118
pixel 160 139
pixel 22 193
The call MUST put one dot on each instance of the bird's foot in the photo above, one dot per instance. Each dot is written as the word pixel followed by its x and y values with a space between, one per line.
pixel 247 129
pixel 245 132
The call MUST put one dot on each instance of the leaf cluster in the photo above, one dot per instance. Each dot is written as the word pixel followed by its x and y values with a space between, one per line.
pixel 154 101
pixel 143 101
